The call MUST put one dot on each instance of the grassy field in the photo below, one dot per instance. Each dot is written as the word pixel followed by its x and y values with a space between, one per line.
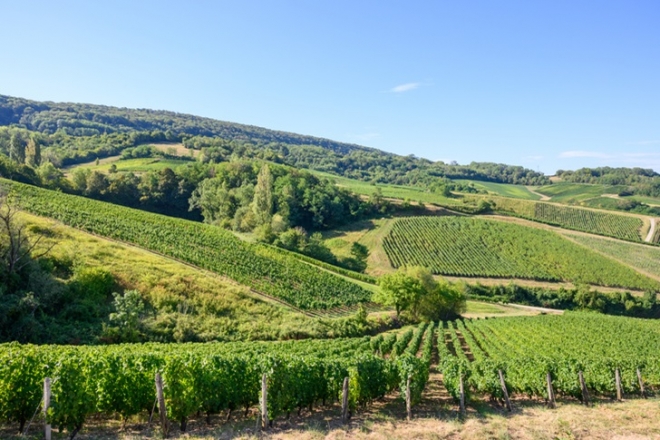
pixel 642 257
pixel 653 201
pixel 464 246
pixel 574 193
pixel 503 189
pixel 136 165
pixel 213 307
pixel 390 191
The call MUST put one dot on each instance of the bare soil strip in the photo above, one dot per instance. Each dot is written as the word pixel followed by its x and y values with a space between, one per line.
pixel 651 234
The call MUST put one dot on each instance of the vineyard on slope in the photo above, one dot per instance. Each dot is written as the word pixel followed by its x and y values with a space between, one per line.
pixel 469 246
pixel 610 224
pixel 206 246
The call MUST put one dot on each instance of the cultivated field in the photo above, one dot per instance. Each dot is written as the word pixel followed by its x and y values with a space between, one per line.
pixel 469 246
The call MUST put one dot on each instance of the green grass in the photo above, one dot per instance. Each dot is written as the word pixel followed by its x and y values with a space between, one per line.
pixel 644 199
pixel 211 307
pixel 141 165
pixel 574 193
pixel 476 307
pixel 503 189
pixel 390 191
pixel 642 257
pixel 475 247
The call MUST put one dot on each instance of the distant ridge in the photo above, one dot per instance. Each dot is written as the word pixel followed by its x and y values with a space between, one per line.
pixel 90 119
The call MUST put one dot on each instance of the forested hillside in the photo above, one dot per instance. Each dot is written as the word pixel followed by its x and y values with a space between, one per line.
pixel 79 132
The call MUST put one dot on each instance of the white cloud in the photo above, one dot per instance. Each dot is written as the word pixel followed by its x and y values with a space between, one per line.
pixel 401 88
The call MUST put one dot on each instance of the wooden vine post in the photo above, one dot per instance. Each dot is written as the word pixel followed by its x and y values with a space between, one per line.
pixel 617 379
pixel 583 387
pixel 344 402
pixel 461 388
pixel 162 411
pixel 46 405
pixel 641 383
pixel 551 392
pixel 408 400
pixel 504 390
pixel 264 402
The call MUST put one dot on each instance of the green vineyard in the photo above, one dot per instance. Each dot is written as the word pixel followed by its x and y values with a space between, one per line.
pixel 208 377
pixel 209 247
pixel 526 349
pixel 620 226
pixel 468 246
pixel 212 378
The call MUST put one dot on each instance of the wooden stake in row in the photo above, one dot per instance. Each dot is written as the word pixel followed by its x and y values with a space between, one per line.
pixel 161 405
pixel 583 387
pixel 551 392
pixel 264 402
pixel 461 389
pixel 504 390
pixel 344 402
pixel 408 400
pixel 617 379
pixel 46 405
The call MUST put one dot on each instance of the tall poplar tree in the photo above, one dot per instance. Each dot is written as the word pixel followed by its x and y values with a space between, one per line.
pixel 17 149
pixel 33 153
pixel 262 204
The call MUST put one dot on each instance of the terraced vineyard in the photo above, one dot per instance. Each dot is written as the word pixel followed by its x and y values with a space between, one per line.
pixel 526 349
pixel 609 224
pixel 646 258
pixel 468 246
pixel 202 245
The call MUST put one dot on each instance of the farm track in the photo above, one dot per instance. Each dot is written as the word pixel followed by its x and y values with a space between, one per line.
pixel 543 197
pixel 651 234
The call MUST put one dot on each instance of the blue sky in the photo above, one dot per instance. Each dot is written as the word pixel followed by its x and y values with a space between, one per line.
pixel 545 84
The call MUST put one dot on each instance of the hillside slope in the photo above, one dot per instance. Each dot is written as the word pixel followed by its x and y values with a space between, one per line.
pixel 184 303
pixel 203 245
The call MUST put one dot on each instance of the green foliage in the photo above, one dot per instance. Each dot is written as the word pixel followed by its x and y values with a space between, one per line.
pixel 464 246
pixel 128 309
pixel 580 298
pixel 399 290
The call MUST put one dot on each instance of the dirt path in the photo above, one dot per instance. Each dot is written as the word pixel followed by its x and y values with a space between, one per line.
pixel 537 309
pixel 651 234
pixel 543 197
